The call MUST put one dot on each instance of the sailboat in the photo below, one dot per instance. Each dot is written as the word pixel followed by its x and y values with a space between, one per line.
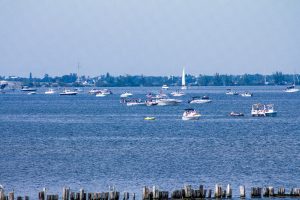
pixel 292 88
pixel 183 84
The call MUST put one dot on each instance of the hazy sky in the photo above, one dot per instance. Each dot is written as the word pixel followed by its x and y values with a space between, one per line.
pixel 151 37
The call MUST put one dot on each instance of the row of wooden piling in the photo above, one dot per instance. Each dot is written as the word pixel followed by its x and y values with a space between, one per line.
pixel 187 192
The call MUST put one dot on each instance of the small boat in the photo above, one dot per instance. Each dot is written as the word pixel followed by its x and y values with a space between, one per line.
pixel 125 94
pixel 177 93
pixel 151 103
pixel 50 91
pixel 261 110
pixel 28 89
pixel 100 94
pixel 167 102
pixel 160 96
pixel 291 89
pixel 106 91
pixel 204 99
pixel 31 93
pixel 230 92
pixel 165 87
pixel 246 94
pixel 149 118
pixel 68 92
pixel 190 114
pixel 234 114
pixel 94 91
pixel 137 102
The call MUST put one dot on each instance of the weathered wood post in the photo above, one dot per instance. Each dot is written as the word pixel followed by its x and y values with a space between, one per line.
pixel 266 192
pixel 228 191
pixel 66 193
pixel 19 198
pixel 188 191
pixel 2 194
pixel 72 196
pixel 146 193
pixel 209 193
pixel 271 191
pixel 82 195
pixel 281 192
pixel 218 191
pixel 255 192
pixel 242 191
pixel 155 192
pixel 26 197
pixel 11 196
pixel 42 195
pixel 126 196
pixel 201 191
pixel 133 196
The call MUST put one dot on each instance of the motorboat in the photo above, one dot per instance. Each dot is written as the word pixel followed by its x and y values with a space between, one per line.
pixel 106 91
pixel 31 93
pixel 94 91
pixel 151 103
pixel 230 92
pixel 261 110
pixel 291 89
pixel 246 94
pixel 28 89
pixel 100 94
pixel 125 94
pixel 167 102
pixel 50 91
pixel 235 114
pixel 149 118
pixel 165 87
pixel 177 93
pixel 160 96
pixel 136 102
pixel 190 114
pixel 183 84
pixel 199 100
pixel 68 92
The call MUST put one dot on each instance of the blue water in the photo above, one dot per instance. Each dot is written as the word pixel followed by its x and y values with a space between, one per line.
pixel 82 141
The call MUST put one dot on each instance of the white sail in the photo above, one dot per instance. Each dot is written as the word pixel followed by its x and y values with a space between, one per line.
pixel 183 80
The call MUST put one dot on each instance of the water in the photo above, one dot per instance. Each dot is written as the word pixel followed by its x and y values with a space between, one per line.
pixel 82 141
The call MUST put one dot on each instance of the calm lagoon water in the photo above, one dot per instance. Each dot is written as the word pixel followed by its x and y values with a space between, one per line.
pixel 82 141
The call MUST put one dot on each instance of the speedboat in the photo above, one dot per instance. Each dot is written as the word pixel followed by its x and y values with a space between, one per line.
pixel 165 87
pixel 137 102
pixel 151 103
pixel 235 114
pixel 94 91
pixel 31 93
pixel 190 114
pixel 177 93
pixel 261 110
pixel 50 91
pixel 125 94
pixel 149 118
pixel 167 102
pixel 230 92
pixel 28 89
pixel 68 92
pixel 106 91
pixel 246 94
pixel 100 94
pixel 291 89
pixel 204 99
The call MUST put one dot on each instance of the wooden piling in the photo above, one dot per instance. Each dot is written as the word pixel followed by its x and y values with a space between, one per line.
pixel 11 196
pixel 114 195
pixel 42 195
pixel 255 192
pixel 155 192
pixel 26 197
pixel 209 193
pixel 271 191
pixel 187 191
pixel 126 196
pixel 2 194
pixel 218 191
pixel 19 198
pixel 66 193
pixel 146 193
pixel 133 196
pixel 242 191
pixel 228 191
pixel 82 195
pixel 72 196
pixel 281 192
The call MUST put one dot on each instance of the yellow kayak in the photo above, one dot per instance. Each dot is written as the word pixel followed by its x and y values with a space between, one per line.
pixel 149 118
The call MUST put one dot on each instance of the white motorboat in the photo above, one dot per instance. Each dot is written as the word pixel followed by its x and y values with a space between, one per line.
pixel 136 102
pixel 291 89
pixel 151 103
pixel 94 91
pixel 165 87
pixel 100 94
pixel 31 93
pixel 199 100
pixel 230 92
pixel 125 94
pixel 50 91
pixel 177 93
pixel 68 92
pixel 190 114
pixel 167 102
pixel 106 91
pixel 246 94
pixel 261 110
pixel 183 84
pixel 28 89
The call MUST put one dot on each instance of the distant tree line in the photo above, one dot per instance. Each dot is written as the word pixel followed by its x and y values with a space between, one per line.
pixel 107 80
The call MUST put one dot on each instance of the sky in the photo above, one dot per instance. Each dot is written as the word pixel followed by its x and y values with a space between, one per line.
pixel 151 37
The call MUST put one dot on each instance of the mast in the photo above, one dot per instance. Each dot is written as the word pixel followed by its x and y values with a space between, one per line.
pixel 183 78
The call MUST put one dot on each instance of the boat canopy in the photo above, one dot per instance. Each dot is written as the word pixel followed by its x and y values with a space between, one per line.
pixel 189 109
